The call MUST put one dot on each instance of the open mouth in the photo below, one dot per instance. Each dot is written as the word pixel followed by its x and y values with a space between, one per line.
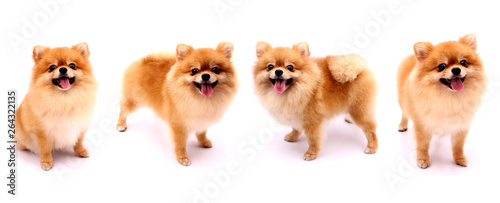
pixel 63 82
pixel 280 85
pixel 455 84
pixel 206 88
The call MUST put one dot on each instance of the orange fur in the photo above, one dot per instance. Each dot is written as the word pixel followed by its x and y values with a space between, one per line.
pixel 434 107
pixel 320 89
pixel 164 82
pixel 51 117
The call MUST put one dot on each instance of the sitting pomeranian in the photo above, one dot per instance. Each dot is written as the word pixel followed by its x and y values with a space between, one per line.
pixel 440 88
pixel 305 92
pixel 191 90
pixel 59 105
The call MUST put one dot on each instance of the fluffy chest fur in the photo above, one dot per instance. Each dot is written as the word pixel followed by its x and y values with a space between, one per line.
pixel 200 115
pixel 196 112
pixel 443 112
pixel 286 108
pixel 63 117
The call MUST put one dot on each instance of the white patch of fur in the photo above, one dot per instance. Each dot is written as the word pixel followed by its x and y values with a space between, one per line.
pixel 65 131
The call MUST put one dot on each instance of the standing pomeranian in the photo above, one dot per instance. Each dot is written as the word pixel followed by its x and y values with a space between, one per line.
pixel 440 88
pixel 59 105
pixel 191 90
pixel 305 92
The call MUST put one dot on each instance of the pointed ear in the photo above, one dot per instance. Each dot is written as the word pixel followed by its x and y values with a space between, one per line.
pixel 469 40
pixel 183 51
pixel 422 50
pixel 261 48
pixel 38 52
pixel 83 48
pixel 302 48
pixel 225 48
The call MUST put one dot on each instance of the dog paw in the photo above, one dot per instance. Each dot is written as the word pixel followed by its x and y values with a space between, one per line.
pixel 21 147
pixel 82 152
pixel 423 163
pixel 121 128
pixel 206 144
pixel 291 137
pixel 370 150
pixel 46 165
pixel 402 128
pixel 310 156
pixel 184 161
pixel 461 161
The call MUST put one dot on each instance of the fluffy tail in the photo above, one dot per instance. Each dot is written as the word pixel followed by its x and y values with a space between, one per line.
pixel 158 56
pixel 346 68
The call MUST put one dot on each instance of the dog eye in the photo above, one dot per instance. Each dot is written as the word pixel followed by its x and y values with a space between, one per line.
pixel 215 70
pixel 441 67
pixel 289 67
pixel 194 71
pixel 52 68
pixel 463 63
pixel 72 66
pixel 270 67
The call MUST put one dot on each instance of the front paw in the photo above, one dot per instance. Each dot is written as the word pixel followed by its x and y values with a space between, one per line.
pixel 423 163
pixel 309 156
pixel 121 128
pixel 461 161
pixel 370 150
pixel 184 160
pixel 46 165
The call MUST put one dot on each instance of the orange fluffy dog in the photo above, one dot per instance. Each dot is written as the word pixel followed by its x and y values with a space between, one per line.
pixel 60 102
pixel 305 92
pixel 191 90
pixel 440 88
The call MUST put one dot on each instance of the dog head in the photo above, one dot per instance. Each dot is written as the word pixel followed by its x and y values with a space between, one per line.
pixel 206 71
pixel 279 68
pixel 61 68
pixel 452 65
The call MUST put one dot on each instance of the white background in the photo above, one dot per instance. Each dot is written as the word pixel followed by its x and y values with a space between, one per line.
pixel 140 164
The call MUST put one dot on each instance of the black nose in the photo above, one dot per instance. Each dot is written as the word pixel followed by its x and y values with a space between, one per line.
pixel 63 70
pixel 456 71
pixel 278 72
pixel 205 77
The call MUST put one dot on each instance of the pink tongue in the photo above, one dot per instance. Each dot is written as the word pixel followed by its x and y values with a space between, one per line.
pixel 456 84
pixel 64 82
pixel 206 89
pixel 280 86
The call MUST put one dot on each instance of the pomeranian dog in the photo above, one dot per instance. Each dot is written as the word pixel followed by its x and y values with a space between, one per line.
pixel 59 105
pixel 440 88
pixel 190 89
pixel 305 92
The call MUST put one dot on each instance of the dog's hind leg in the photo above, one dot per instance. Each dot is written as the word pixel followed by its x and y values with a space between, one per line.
pixel 366 121
pixel 403 125
pixel 127 107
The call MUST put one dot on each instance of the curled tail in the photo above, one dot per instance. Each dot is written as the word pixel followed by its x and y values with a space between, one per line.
pixel 346 68
pixel 158 56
